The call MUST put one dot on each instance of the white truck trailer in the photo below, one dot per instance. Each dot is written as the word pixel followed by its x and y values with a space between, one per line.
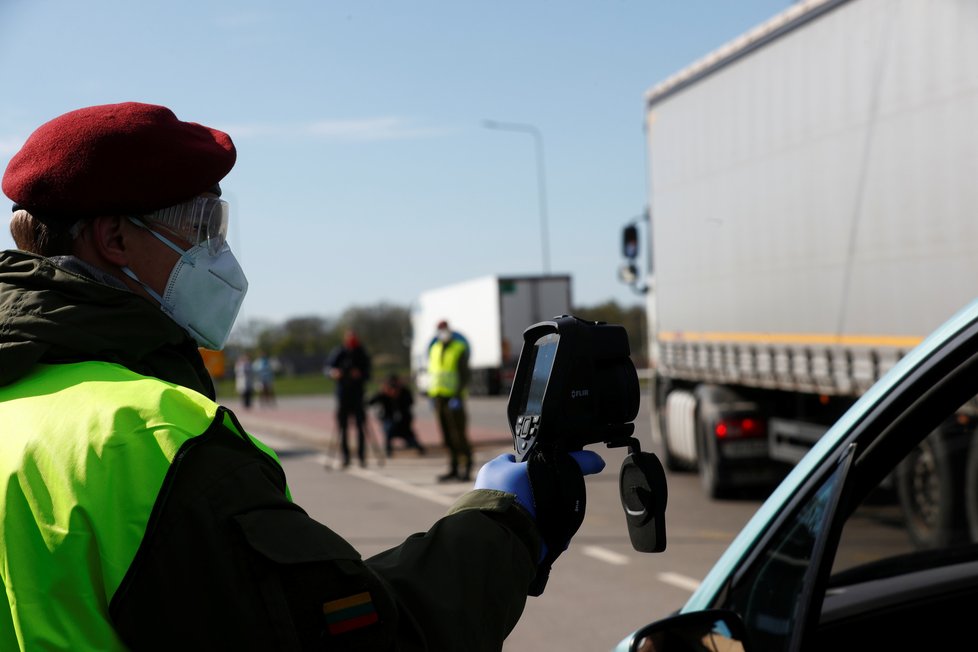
pixel 491 312
pixel 813 214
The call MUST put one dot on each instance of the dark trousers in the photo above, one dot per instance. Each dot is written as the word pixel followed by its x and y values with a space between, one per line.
pixel 453 431
pixel 346 410
pixel 400 429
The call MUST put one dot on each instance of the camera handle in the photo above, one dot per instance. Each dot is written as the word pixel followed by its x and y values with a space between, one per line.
pixel 643 491
pixel 558 486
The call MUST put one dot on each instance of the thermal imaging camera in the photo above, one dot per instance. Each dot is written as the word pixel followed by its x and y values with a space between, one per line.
pixel 576 385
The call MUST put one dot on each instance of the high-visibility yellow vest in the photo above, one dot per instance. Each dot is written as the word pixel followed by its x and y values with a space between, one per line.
pixel 84 451
pixel 443 361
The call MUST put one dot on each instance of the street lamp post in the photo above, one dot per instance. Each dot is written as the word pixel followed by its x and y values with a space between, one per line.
pixel 541 182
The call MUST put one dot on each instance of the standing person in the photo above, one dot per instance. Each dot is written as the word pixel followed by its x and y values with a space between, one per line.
pixel 396 413
pixel 265 374
pixel 137 513
pixel 349 366
pixel 448 377
pixel 244 379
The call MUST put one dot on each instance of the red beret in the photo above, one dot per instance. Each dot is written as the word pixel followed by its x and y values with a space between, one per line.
pixel 115 159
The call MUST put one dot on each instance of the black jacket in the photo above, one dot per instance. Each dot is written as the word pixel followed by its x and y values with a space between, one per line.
pixel 227 560
pixel 398 408
pixel 349 386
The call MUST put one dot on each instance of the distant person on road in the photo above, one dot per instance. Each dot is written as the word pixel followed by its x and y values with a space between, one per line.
pixel 244 379
pixel 349 365
pixel 448 378
pixel 396 413
pixel 137 513
pixel 265 375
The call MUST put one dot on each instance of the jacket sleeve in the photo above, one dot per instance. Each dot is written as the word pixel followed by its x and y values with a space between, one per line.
pixel 367 364
pixel 228 562
pixel 464 373
pixel 333 359
pixel 464 582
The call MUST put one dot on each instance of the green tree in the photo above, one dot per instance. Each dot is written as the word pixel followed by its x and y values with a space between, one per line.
pixel 384 329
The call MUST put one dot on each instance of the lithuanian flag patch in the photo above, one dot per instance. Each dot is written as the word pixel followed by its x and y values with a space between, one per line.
pixel 347 614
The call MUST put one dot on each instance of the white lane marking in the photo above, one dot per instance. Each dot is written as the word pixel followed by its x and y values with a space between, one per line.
pixel 679 581
pixel 605 555
pixel 403 487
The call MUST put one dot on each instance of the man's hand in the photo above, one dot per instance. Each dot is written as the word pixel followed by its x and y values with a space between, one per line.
pixel 550 486
pixel 504 473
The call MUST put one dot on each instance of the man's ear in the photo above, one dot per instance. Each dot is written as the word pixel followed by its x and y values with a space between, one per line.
pixel 111 240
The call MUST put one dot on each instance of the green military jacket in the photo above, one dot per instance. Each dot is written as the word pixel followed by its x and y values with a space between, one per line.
pixel 156 522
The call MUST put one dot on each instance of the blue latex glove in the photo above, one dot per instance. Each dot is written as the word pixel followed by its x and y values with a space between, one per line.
pixel 454 404
pixel 504 473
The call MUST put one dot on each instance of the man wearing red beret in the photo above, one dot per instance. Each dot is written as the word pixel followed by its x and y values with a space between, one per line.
pixel 136 513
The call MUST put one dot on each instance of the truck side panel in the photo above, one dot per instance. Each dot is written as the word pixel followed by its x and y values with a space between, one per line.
pixel 813 203
pixel 471 308
pixel 526 301
pixel 491 312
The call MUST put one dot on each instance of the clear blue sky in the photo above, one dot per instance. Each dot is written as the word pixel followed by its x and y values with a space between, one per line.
pixel 364 172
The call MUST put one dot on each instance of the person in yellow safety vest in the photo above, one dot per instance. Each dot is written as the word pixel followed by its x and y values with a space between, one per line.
pixel 136 512
pixel 448 376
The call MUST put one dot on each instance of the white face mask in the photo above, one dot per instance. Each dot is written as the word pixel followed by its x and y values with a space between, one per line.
pixel 204 292
pixel 444 335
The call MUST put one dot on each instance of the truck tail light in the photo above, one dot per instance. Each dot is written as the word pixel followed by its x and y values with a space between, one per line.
pixel 740 428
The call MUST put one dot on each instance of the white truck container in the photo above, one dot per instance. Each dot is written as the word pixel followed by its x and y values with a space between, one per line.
pixel 491 312
pixel 813 214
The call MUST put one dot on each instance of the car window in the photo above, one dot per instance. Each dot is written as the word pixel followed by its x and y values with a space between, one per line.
pixel 920 505
pixel 905 569
pixel 908 552
pixel 769 596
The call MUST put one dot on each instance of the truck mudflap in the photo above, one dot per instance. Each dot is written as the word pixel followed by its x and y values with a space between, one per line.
pixel 790 440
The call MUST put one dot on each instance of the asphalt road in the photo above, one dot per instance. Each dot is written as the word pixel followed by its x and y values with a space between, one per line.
pixel 600 589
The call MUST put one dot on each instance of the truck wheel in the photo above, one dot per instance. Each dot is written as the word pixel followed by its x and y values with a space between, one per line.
pixel 712 473
pixel 494 383
pixel 669 460
pixel 927 483
pixel 662 433
pixel 479 383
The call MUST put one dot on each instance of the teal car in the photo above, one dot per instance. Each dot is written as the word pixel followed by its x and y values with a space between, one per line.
pixel 826 563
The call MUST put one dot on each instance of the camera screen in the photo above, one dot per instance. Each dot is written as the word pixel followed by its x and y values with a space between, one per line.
pixel 544 352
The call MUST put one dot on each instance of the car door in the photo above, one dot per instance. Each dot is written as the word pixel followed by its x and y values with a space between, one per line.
pixel 789 572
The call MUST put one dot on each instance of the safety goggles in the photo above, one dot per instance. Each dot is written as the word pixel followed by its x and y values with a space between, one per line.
pixel 198 221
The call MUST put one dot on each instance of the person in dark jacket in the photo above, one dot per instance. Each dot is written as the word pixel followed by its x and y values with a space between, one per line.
pixel 349 365
pixel 396 403
pixel 137 513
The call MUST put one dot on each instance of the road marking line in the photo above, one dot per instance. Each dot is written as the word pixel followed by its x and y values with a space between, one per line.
pixel 679 581
pixel 403 487
pixel 605 555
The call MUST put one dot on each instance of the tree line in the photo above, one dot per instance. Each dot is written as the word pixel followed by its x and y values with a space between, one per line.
pixel 301 345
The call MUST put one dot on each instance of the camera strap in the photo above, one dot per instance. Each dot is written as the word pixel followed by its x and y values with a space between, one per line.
pixel 560 498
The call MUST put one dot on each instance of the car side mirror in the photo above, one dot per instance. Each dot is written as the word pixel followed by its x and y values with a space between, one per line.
pixel 714 629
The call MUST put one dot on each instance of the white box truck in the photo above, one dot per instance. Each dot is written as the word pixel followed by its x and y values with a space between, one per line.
pixel 491 312
pixel 813 213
